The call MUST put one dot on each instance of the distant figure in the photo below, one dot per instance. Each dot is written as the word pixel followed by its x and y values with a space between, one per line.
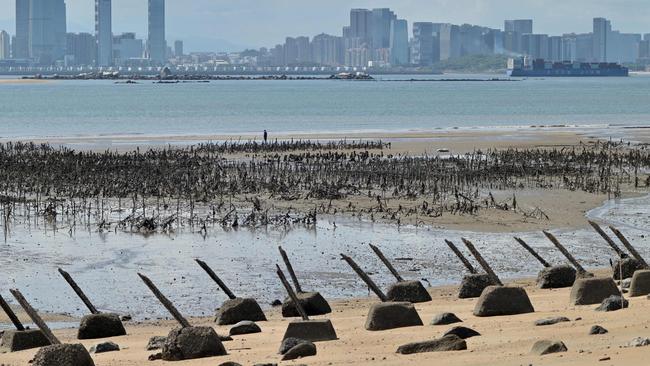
pixel 266 136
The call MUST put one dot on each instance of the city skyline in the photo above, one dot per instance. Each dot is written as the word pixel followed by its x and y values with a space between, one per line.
pixel 206 26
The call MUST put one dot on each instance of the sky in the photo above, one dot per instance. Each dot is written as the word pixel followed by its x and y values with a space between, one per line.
pixel 231 25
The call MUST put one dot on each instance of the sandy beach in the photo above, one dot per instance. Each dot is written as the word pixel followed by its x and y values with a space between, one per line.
pixel 503 341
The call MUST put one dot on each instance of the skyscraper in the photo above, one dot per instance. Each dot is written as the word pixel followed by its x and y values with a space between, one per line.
pixel 21 44
pixel 361 24
pixel 47 30
pixel 399 42
pixel 602 31
pixel 104 32
pixel 5 45
pixel 178 48
pixel 422 51
pixel 380 27
pixel 81 49
pixel 521 26
pixel 156 44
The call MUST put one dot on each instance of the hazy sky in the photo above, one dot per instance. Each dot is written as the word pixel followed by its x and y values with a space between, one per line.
pixel 204 24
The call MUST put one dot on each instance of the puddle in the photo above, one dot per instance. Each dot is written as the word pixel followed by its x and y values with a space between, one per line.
pixel 105 265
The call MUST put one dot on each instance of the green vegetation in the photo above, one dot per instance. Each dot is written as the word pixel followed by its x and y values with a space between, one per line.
pixel 474 64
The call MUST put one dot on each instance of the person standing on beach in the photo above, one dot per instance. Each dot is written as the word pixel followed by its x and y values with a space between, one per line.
pixel 266 136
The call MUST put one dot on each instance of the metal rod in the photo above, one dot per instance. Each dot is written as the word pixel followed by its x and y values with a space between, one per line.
pixel 365 278
pixel 216 279
pixel 35 317
pixel 292 294
pixel 609 240
pixel 165 302
pixel 10 313
pixel 532 251
pixel 78 291
pixel 482 261
pixel 629 246
pixel 287 263
pixel 566 253
pixel 462 258
pixel 387 263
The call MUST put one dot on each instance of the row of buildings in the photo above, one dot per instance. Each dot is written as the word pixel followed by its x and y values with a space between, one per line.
pixel 377 37
pixel 41 37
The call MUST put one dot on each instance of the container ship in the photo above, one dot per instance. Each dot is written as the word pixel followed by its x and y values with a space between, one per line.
pixel 524 67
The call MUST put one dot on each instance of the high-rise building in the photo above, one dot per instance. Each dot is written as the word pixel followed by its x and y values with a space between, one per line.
pixel 535 45
pixel 555 48
pixel 126 47
pixel 423 48
pixel 449 37
pixel 602 31
pixel 21 43
pixel 81 49
pixel 303 48
pixel 47 30
pixel 399 42
pixel 361 24
pixel 5 45
pixel 178 48
pixel 156 44
pixel 327 50
pixel 380 27
pixel 521 26
pixel 104 32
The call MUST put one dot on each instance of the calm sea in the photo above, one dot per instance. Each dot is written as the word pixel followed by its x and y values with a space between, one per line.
pixel 100 108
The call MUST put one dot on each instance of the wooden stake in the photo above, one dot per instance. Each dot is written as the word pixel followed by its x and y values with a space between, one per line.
pixel 292 294
pixel 10 313
pixel 78 291
pixel 287 263
pixel 462 258
pixel 482 261
pixel 35 317
pixel 533 252
pixel 365 278
pixel 387 263
pixel 166 303
pixel 609 240
pixel 629 246
pixel 566 253
pixel 216 279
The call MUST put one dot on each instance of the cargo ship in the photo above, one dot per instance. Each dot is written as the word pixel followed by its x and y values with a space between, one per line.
pixel 524 67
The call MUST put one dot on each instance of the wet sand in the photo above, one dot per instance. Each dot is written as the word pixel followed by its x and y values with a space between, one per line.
pixel 504 341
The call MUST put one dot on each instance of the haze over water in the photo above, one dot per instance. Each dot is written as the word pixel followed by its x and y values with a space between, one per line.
pixel 100 108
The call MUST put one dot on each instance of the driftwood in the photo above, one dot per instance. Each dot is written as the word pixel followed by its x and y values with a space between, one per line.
pixel 216 279
pixel 78 291
pixel 482 261
pixel 629 246
pixel 364 276
pixel 565 252
pixel 532 252
pixel 292 294
pixel 462 258
pixel 35 317
pixel 287 263
pixel 165 302
pixel 387 263
pixel 609 240
pixel 10 313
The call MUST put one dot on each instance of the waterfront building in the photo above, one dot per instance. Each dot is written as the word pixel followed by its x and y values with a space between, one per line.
pixel 156 44
pixel 81 49
pixel 327 50
pixel 104 32
pixel 47 30
pixel 422 46
pixel 21 42
pixel 399 42
pixel 178 48
pixel 601 34
pixel 5 45
pixel 126 47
